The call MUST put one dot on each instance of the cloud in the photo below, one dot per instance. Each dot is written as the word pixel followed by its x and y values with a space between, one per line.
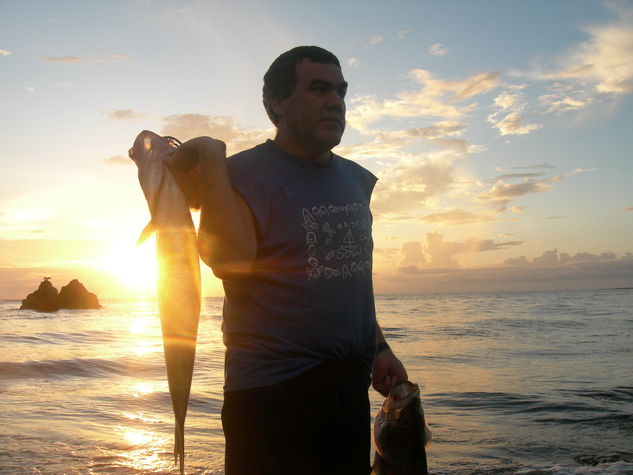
pixel 390 142
pixel 4 52
pixel 412 256
pixel 60 59
pixel 508 119
pixel 438 49
pixel 413 184
pixel 582 271
pixel 434 98
pixel 522 176
pixel 402 33
pixel 374 40
pixel 546 166
pixel 507 100
pixel 117 160
pixel 529 182
pixel 602 64
pixel 501 193
pixel 516 209
pixel 553 258
pixel 557 178
pixel 630 208
pixel 413 180
pixel 512 124
pixel 453 217
pixel 123 115
pixel 29 88
pixel 353 63
pixel 560 103
pixel 606 58
pixel 105 57
pixel 439 130
pixel 477 84
pixel 186 126
pixel 435 252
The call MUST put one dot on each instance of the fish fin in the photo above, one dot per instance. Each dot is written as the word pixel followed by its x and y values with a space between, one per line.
pixel 148 230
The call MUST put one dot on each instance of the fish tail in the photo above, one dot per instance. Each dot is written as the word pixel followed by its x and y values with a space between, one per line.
pixel 179 445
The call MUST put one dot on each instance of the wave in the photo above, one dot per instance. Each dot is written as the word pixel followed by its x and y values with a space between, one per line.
pixel 81 368
pixel 619 467
pixel 572 401
pixel 618 394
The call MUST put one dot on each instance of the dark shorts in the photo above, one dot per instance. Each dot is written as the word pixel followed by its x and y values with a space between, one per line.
pixel 315 423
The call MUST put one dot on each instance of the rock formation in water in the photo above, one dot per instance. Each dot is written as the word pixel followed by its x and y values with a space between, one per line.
pixel 46 299
pixel 75 295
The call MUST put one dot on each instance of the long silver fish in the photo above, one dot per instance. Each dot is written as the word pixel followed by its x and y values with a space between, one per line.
pixel 178 285
pixel 401 433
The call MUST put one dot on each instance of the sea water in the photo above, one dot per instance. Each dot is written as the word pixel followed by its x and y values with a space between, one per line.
pixel 511 382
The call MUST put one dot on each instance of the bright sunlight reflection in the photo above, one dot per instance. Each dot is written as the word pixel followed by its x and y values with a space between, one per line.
pixel 142 389
pixel 144 453
pixel 144 334
pixel 137 437
pixel 139 325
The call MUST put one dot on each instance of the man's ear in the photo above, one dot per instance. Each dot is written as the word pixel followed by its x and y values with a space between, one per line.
pixel 277 106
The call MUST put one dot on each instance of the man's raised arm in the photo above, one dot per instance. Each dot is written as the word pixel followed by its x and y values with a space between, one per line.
pixel 226 237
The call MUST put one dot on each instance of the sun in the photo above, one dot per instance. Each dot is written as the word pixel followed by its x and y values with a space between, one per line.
pixel 135 267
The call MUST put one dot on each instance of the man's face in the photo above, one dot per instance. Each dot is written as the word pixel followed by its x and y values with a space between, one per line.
pixel 312 118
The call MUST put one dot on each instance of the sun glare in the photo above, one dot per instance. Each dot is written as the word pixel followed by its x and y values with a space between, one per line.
pixel 135 266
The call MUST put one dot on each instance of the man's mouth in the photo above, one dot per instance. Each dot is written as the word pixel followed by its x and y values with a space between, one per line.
pixel 334 120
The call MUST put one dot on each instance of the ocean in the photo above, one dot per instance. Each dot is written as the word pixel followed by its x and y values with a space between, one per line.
pixel 511 382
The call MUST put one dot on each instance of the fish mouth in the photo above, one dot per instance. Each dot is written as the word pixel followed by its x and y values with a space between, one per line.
pixel 401 394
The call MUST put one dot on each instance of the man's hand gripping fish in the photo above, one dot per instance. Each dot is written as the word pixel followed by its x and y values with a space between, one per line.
pixel 178 270
pixel 401 433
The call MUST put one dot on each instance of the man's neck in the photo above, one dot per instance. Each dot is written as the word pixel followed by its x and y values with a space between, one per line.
pixel 302 151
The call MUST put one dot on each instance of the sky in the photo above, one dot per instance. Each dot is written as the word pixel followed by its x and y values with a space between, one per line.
pixel 501 132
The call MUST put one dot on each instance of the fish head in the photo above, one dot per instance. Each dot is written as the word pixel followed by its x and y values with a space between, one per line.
pixel 403 396
pixel 399 427
pixel 153 155
pixel 149 153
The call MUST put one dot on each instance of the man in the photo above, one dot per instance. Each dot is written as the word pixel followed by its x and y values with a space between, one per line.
pixel 287 227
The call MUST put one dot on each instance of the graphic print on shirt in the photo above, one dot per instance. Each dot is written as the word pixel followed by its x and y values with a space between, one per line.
pixel 338 241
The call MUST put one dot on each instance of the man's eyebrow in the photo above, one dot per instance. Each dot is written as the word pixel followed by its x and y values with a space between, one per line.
pixel 330 84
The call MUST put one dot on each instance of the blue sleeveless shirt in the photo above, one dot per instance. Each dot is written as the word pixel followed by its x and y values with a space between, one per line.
pixel 309 298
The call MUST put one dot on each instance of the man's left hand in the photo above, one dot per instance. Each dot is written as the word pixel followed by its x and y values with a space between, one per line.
pixel 387 370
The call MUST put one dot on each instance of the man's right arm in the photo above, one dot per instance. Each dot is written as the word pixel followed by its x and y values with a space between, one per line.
pixel 226 236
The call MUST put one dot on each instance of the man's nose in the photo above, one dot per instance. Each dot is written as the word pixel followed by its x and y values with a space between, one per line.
pixel 335 101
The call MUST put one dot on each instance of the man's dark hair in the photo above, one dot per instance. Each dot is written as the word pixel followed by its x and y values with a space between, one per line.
pixel 280 79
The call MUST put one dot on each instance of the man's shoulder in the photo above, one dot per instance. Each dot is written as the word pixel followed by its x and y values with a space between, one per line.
pixel 356 168
pixel 252 153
